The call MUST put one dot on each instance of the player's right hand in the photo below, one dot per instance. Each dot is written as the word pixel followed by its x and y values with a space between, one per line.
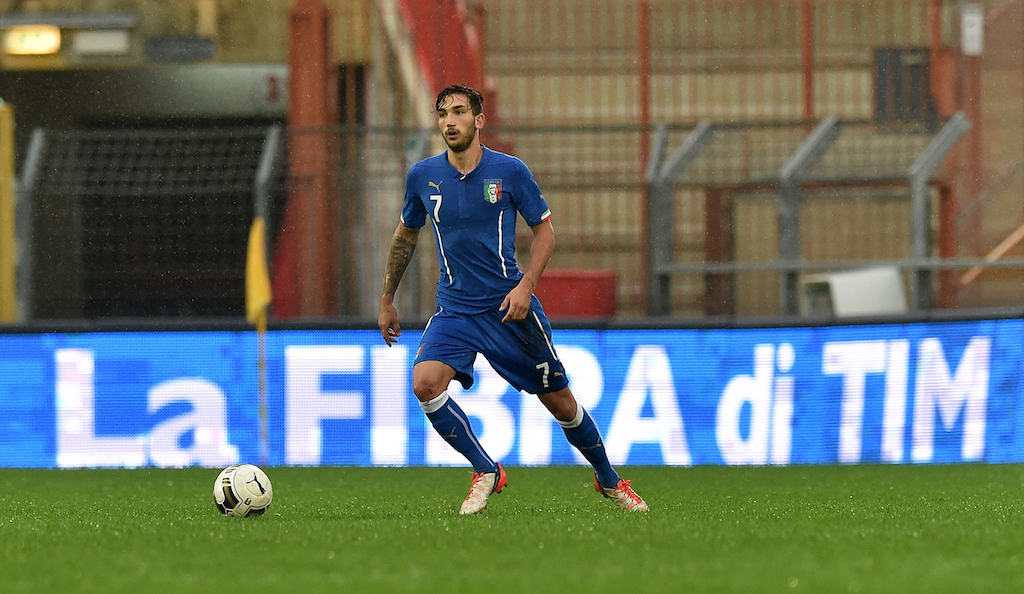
pixel 390 329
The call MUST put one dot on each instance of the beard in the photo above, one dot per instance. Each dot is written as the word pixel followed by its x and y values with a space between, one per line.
pixel 462 142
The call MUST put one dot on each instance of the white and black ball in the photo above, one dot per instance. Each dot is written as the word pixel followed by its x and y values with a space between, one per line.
pixel 242 490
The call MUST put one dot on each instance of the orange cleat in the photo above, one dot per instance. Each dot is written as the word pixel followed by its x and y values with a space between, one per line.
pixel 623 495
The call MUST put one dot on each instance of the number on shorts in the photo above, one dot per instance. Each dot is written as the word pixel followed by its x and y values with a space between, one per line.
pixel 545 368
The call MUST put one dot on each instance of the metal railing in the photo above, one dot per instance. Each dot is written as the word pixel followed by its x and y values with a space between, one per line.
pixel 790 185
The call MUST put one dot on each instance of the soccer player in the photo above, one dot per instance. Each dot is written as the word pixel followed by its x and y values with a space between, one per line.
pixel 485 304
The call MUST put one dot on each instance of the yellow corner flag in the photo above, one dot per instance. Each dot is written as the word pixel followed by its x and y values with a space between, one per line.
pixel 257 277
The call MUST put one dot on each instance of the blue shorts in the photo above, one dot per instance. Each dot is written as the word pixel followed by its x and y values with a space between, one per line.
pixel 521 352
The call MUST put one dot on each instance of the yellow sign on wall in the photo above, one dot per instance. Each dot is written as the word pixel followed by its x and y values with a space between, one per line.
pixel 32 40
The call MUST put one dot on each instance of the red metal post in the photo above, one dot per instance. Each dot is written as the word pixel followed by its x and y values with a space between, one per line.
pixel 644 98
pixel 807 55
pixel 643 60
pixel 942 66
pixel 719 292
pixel 305 259
pixel 948 279
pixel 974 146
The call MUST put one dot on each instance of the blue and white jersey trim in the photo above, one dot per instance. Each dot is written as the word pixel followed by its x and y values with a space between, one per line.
pixel 439 310
pixel 551 348
pixel 440 249
pixel 501 243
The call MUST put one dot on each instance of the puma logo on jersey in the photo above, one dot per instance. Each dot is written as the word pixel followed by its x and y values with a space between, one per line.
pixel 436 186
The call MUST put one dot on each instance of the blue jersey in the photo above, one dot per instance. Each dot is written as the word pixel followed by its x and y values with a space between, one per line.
pixel 474 221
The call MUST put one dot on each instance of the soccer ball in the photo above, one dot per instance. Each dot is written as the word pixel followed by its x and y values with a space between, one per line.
pixel 242 490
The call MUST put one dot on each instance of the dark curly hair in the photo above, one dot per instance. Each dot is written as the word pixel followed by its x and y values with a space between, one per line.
pixel 476 100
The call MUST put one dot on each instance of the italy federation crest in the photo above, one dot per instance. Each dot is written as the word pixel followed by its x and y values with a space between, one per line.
pixel 492 190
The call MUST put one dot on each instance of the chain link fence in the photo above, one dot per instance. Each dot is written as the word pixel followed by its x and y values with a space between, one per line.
pixel 136 223
pixel 154 222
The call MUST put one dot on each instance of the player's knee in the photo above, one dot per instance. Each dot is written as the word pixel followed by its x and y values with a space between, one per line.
pixel 426 388
pixel 565 411
pixel 561 404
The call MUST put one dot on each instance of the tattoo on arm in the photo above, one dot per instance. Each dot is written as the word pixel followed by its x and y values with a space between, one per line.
pixel 399 256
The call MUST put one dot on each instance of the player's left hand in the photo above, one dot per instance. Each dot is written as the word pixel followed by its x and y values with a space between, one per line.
pixel 516 304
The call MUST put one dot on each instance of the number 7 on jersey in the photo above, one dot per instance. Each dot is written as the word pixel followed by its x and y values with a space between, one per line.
pixel 437 207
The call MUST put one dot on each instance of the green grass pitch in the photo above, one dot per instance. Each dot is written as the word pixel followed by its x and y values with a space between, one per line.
pixel 796 529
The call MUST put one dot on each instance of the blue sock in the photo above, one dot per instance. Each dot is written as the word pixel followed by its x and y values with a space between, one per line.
pixel 453 425
pixel 582 433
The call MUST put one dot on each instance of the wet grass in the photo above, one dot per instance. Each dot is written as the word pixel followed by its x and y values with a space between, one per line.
pixel 710 529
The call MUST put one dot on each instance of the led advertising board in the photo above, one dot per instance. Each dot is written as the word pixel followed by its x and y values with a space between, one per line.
pixel 895 393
